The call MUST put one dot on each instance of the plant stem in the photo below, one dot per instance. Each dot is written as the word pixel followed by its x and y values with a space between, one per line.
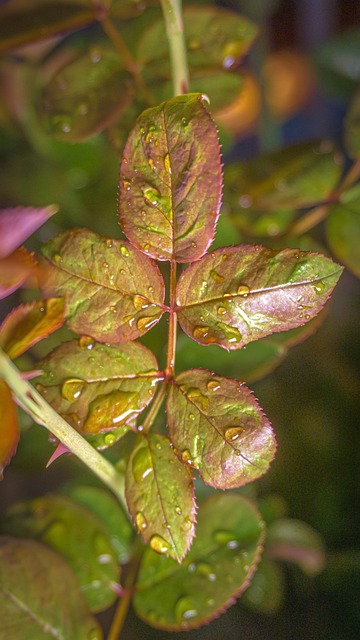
pixel 154 409
pixel 175 33
pixel 170 361
pixel 124 603
pixel 35 405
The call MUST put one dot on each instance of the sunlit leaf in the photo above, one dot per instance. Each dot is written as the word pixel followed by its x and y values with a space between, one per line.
pixel 160 496
pixel 15 270
pixel 343 229
pixel 87 95
pixel 213 36
pixel 17 224
pixel 352 127
pixel 216 426
pixel 40 596
pixel 216 570
pixel 113 292
pixel 9 428
pixel 97 386
pixel 295 541
pixel 170 180
pixel 294 177
pixel 78 535
pixel 29 323
pixel 239 294
pixel 337 62
pixel 266 591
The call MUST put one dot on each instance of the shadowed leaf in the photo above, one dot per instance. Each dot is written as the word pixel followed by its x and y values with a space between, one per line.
pixel 29 323
pixel 112 291
pixel 15 271
pixel 217 427
pixel 239 294
pixel 216 570
pixel 78 535
pixel 160 496
pixel 98 386
pixel 17 224
pixel 267 589
pixel 170 180
pixel 352 127
pixel 9 428
pixel 295 541
pixel 337 62
pixel 46 602
pixel 343 229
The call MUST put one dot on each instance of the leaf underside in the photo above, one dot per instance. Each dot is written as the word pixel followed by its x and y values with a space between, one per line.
pixel 9 428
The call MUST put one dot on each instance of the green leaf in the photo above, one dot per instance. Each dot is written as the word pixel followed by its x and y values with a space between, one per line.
pixel 109 511
pixel 352 127
pixel 170 180
pixel 217 427
pixel 216 570
pixel 343 229
pixel 9 427
pixel 298 176
pixel 213 37
pixel 87 95
pixel 295 541
pixel 160 496
pixel 337 62
pixel 113 292
pixel 18 223
pixel 77 535
pixel 29 323
pixel 266 591
pixel 40 596
pixel 239 294
pixel 98 386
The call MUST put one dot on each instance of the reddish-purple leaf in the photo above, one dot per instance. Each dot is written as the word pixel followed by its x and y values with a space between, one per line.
pixel 112 291
pixel 9 428
pixel 160 496
pixel 17 224
pixel 239 294
pixel 170 180
pixel 29 323
pixel 98 387
pixel 15 270
pixel 217 427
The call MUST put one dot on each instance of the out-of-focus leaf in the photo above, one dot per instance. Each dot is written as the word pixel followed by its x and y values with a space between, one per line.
pixel 170 180
pixel 343 229
pixel 112 291
pixel 337 62
pixel 87 95
pixel 352 127
pixel 126 9
pixel 29 323
pixel 97 386
pixel 160 495
pixel 216 426
pixel 239 294
pixel 78 535
pixel 15 270
pixel 17 224
pixel 9 428
pixel 40 596
pixel 258 8
pixel 213 37
pixel 23 22
pixel 108 510
pixel 265 593
pixel 297 542
pixel 216 570
pixel 294 177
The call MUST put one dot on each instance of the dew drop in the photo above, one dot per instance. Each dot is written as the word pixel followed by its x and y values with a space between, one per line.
pixel 124 251
pixel 145 323
pixel 223 537
pixel 95 55
pixel 127 185
pixel 109 439
pixel 109 243
pixel 194 245
pixel 151 164
pixel 110 409
pixel 191 416
pixel 243 290
pixel 233 433
pixel 203 334
pixel 105 265
pixel 140 521
pixel 178 511
pixel 319 287
pixel 62 123
pixel 86 342
pixel 205 569
pixel 167 163
pixel 94 634
pixel 57 258
pixel 185 609
pixel 221 311
pixel 149 137
pixel 158 544
pixel 307 316
pixel 186 456
pixel 142 465
pixel 139 303
pixel 184 122
pixel 130 319
pixel 72 388
pixel 213 385
pixel 232 334
pixel 216 276
pixel 151 289
pixel 122 272
pixel 152 195
pixel 198 398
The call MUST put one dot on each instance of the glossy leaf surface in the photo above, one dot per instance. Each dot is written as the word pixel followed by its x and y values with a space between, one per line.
pixel 217 427
pixel 29 323
pixel 17 224
pixel 113 292
pixel 295 541
pixel 216 570
pixel 87 95
pixel 343 229
pixel 46 602
pixel 99 386
pixel 160 496
pixel 170 180
pixel 15 270
pixel 239 294
pixel 9 428
pixel 75 533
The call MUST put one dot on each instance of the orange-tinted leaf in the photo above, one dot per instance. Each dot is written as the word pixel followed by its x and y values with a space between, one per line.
pixel 9 428
pixel 17 224
pixel 15 270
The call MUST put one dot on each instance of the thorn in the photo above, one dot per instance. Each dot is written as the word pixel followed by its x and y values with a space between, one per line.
pixel 59 451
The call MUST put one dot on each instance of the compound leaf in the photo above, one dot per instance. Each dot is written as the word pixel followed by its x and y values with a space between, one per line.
pixel 17 224
pixel 216 426
pixel 239 294
pixel 160 496
pixel 97 386
pixel 112 292
pixel 343 229
pixel 40 596
pixel 216 570
pixel 170 180
pixel 9 428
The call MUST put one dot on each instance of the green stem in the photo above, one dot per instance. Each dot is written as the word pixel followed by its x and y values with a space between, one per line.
pixel 170 361
pixel 124 603
pixel 175 32
pixel 44 414
pixel 154 409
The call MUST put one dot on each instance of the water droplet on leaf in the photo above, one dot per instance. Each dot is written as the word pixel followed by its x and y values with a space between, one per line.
pixel 185 609
pixel 167 163
pixel 109 439
pixel 203 334
pixel 140 303
pixel 186 456
pixel 243 290
pixel 319 287
pixel 124 251
pixel 158 544
pixel 198 398
pixel 145 323
pixel 72 388
pixel 213 385
pixel 140 521
pixel 127 185
pixel 110 409
pixel 86 342
pixel 216 276
pixel 221 311
pixel 152 195
pixel 57 258
pixel 142 465
pixel 233 433
pixel 232 334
